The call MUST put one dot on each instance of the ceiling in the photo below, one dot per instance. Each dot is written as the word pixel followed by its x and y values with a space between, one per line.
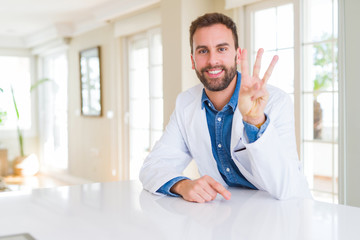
pixel 23 20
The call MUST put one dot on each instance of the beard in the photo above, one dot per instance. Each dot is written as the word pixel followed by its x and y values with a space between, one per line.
pixel 217 84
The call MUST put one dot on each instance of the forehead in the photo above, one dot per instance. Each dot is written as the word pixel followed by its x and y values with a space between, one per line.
pixel 212 36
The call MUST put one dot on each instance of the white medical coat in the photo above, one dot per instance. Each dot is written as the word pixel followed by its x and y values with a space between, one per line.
pixel 270 163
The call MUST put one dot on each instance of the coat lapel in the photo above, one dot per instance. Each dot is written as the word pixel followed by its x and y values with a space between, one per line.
pixel 237 129
pixel 199 141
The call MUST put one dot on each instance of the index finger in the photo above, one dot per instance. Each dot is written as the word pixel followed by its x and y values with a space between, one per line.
pixel 219 188
pixel 244 65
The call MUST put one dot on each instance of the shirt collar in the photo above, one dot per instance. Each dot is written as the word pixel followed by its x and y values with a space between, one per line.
pixel 233 100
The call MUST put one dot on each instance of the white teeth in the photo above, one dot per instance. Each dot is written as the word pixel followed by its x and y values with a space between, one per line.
pixel 215 71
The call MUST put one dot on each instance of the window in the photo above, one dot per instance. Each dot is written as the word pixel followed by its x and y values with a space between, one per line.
pixel 273 30
pixel 53 112
pixel 145 96
pixel 15 74
pixel 273 26
pixel 320 98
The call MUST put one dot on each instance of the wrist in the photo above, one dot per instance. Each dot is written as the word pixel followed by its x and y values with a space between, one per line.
pixel 178 186
pixel 256 121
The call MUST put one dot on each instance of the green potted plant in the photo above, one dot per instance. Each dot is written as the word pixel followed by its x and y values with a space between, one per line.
pixel 25 164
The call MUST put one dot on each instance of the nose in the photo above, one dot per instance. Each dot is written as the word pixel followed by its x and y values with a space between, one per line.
pixel 213 59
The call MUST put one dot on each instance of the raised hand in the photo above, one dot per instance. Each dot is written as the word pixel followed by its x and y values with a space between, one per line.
pixel 253 95
pixel 201 190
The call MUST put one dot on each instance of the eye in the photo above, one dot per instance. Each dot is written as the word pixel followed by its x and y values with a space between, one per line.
pixel 222 49
pixel 203 51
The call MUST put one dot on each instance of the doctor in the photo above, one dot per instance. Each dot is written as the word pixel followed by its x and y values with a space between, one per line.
pixel 238 129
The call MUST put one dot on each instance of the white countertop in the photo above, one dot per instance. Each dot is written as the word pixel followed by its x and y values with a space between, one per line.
pixel 122 210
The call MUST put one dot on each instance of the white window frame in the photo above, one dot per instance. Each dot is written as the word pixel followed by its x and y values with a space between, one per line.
pixel 33 130
pixel 126 123
pixel 297 73
pixel 244 20
pixel 47 166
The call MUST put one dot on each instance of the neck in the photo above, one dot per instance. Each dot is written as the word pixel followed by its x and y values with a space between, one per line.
pixel 221 98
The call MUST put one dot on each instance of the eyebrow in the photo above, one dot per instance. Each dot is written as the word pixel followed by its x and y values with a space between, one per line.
pixel 222 44
pixel 218 45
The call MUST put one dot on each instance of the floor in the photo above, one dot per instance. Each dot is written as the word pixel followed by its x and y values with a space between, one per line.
pixel 21 183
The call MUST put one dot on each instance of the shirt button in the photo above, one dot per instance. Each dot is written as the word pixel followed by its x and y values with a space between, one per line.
pixel 209 104
pixel 219 145
pixel 219 119
pixel 228 169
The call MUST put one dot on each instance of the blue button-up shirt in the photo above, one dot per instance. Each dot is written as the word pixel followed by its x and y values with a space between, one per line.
pixel 219 125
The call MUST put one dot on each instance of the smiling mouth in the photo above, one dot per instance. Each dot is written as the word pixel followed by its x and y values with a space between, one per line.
pixel 213 73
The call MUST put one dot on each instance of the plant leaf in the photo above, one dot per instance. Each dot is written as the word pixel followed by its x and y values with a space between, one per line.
pixel 13 96
pixel 38 83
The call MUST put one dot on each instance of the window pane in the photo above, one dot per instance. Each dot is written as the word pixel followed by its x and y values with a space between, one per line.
pixel 318 66
pixel 139 142
pixel 336 117
pixel 285 21
pixel 139 83
pixel 145 96
pixel 140 113
pixel 318 26
pixel 156 85
pixel 318 116
pixel 157 114
pixel 318 165
pixel 156 49
pixel 53 102
pixel 335 63
pixel 139 148
pixel 336 18
pixel 265 29
pixel 283 74
pixel 139 56
pixel 15 73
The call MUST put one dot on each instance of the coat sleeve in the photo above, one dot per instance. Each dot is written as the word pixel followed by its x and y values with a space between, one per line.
pixel 168 158
pixel 274 164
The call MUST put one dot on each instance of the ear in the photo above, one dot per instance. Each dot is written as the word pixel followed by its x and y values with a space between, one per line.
pixel 238 55
pixel 192 62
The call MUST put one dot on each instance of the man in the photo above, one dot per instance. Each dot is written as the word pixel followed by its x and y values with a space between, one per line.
pixel 238 129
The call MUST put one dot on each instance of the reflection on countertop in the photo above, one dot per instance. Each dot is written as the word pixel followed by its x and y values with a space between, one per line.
pixel 124 210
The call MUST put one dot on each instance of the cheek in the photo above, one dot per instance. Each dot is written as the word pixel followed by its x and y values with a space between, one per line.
pixel 199 62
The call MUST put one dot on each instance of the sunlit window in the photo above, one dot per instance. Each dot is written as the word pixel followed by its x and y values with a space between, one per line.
pixel 320 98
pixel 316 93
pixel 15 74
pixel 145 96
pixel 53 108
pixel 274 31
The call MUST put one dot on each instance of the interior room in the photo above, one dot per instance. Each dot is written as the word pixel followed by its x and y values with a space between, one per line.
pixel 88 86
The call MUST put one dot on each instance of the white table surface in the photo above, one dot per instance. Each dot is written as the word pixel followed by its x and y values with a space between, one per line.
pixel 123 210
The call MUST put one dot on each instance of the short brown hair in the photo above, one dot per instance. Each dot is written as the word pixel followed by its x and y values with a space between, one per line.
pixel 210 19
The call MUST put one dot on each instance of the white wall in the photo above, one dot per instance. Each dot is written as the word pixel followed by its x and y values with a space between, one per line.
pixel 93 148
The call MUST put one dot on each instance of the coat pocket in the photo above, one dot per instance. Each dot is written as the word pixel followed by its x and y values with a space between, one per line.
pixel 242 160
